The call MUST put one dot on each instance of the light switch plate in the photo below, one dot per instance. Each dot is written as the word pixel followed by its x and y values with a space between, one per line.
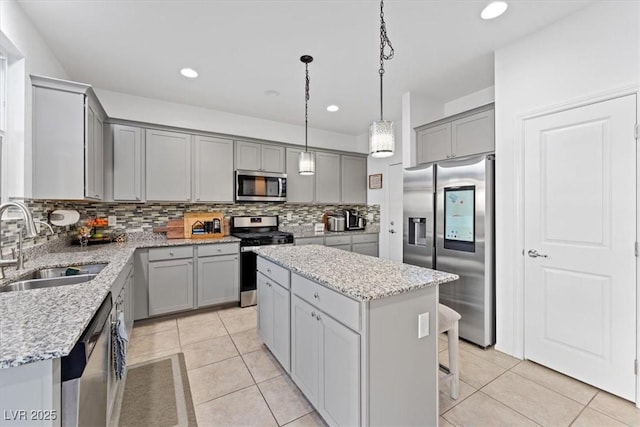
pixel 112 220
pixel 369 217
pixel 289 216
pixel 423 325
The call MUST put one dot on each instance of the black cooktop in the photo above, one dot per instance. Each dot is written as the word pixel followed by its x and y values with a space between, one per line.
pixel 265 238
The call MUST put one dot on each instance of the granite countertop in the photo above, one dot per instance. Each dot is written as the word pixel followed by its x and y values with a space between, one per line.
pixel 305 231
pixel 360 277
pixel 42 324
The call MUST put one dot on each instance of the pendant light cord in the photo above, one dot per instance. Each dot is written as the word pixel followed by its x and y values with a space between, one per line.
pixel 306 102
pixel 384 43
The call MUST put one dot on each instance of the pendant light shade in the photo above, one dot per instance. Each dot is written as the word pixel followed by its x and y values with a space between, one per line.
pixel 306 160
pixel 306 163
pixel 381 139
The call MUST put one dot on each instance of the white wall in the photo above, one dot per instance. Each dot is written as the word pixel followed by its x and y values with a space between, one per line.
pixel 29 54
pixel 584 55
pixel 130 107
pixel 469 102
pixel 417 110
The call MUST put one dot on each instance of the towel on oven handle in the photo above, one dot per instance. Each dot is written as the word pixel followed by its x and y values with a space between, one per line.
pixel 120 342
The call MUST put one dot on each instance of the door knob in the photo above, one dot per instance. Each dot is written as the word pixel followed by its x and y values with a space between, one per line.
pixel 534 254
pixel 392 231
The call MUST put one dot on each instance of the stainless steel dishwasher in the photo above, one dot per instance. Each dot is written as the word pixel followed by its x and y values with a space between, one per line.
pixel 85 373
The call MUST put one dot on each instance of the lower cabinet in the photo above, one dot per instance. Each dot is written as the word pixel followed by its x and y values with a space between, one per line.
pixel 326 363
pixel 370 249
pixel 365 244
pixel 273 318
pixel 170 286
pixel 218 280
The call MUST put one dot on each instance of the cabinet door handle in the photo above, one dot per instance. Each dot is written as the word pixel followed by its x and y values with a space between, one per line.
pixel 313 314
pixel 170 253
pixel 219 250
pixel 268 270
pixel 137 197
pixel 190 262
pixel 316 296
pixel 448 156
pixel 453 155
pixel 318 317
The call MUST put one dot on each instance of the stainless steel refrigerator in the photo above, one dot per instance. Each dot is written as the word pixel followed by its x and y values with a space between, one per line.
pixel 449 226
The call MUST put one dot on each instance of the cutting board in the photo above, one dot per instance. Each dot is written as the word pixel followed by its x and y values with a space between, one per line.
pixel 201 218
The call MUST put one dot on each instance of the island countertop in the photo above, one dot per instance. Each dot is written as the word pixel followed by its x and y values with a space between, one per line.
pixel 360 277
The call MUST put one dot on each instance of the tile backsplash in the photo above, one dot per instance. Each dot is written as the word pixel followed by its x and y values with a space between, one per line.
pixel 135 217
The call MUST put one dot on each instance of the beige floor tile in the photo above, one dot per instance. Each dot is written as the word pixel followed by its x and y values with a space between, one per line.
pixel 262 365
pixel 153 343
pixel 226 313
pixel 620 409
pixel 492 355
pixel 194 332
pixel 198 318
pixel 247 341
pixel 482 410
pixel 217 379
pixel 284 399
pixel 556 381
pixel 592 418
pixel 474 370
pixel 538 403
pixel 209 351
pixel 245 407
pixel 134 360
pixel 446 402
pixel 241 322
pixel 151 327
pixel 309 420
pixel 444 423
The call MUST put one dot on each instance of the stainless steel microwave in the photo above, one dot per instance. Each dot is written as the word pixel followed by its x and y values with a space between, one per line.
pixel 254 186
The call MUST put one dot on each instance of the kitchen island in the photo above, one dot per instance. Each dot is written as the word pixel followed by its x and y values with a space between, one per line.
pixel 357 334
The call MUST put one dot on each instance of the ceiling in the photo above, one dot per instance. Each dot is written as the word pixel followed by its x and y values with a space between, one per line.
pixel 242 48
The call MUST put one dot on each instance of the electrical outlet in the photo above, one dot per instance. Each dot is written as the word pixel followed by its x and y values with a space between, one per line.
pixel 289 216
pixel 112 220
pixel 369 217
pixel 423 325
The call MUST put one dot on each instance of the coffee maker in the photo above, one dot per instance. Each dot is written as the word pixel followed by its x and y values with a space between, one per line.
pixel 353 221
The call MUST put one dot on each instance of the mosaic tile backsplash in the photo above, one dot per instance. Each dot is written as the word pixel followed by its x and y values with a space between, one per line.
pixel 137 217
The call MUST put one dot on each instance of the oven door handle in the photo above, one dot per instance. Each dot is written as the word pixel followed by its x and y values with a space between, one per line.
pixel 251 248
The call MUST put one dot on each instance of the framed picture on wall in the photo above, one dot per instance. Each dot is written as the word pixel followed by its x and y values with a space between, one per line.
pixel 375 181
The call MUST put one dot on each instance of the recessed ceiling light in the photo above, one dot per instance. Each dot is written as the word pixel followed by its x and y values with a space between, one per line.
pixel 494 9
pixel 189 72
pixel 333 108
pixel 271 92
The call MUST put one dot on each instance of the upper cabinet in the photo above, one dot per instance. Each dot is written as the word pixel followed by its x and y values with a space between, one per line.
pixel 168 166
pixel 467 134
pixel 67 140
pixel 212 169
pixel 127 163
pixel 260 157
pixel 327 177
pixel 354 180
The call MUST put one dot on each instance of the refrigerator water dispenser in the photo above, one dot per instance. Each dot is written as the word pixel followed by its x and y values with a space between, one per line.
pixel 418 231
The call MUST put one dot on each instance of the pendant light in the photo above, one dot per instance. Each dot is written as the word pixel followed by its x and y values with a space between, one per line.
pixel 381 137
pixel 307 160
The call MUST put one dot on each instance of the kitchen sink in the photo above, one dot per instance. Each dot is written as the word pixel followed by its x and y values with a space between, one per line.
pixel 50 277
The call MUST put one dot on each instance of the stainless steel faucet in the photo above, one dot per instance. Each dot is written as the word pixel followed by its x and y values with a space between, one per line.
pixel 30 232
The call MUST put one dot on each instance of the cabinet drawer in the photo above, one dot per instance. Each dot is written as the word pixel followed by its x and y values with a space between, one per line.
pixel 340 307
pixel 310 241
pixel 337 240
pixel 218 249
pixel 364 238
pixel 274 272
pixel 174 252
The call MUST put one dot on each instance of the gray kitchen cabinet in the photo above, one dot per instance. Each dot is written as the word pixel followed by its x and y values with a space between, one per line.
pixel 218 279
pixel 170 280
pixel 299 241
pixel 353 180
pixel 300 188
pixel 326 361
pixel 168 166
pixel 462 135
pixel 274 310
pixel 127 163
pixel 305 348
pixel 67 140
pixel 260 157
pixel 370 249
pixel 212 169
pixel 327 177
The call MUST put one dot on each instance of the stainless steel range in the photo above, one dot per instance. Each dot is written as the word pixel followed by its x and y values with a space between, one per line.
pixel 255 231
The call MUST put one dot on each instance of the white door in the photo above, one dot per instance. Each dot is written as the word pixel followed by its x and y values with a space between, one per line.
pixel 394 196
pixel 580 217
